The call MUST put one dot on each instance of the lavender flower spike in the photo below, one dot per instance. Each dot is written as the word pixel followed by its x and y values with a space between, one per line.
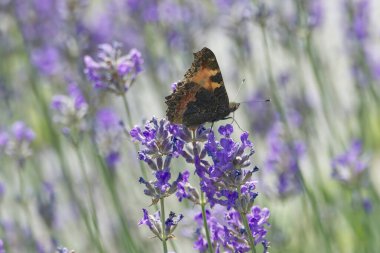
pixel 109 133
pixel 113 71
pixel 17 144
pixel 349 166
pixel 70 110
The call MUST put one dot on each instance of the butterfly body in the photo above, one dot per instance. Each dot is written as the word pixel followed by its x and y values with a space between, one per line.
pixel 201 96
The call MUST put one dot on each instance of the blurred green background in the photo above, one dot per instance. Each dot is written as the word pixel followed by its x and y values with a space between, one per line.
pixel 318 62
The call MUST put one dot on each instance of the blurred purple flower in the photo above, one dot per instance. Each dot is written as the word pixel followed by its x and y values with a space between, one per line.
pixel 261 115
pixel 350 165
pixel 21 132
pixel 148 10
pixel 282 160
pixel 17 142
pixel 2 247
pixel 359 25
pixel 113 71
pixel 70 110
pixel 367 205
pixel 109 133
pixel 47 60
pixel 315 13
pixel 357 28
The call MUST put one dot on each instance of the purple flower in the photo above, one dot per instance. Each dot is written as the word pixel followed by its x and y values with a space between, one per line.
pixel 153 222
pixel 227 230
pixel 161 187
pixel 70 110
pixel 171 223
pixel 349 166
pixel 160 146
pixel 47 60
pixel 158 139
pixel 258 219
pixel 186 191
pixel 226 178
pixel 109 133
pixel 112 70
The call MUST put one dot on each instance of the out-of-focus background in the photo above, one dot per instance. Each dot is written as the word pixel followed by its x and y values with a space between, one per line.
pixel 318 62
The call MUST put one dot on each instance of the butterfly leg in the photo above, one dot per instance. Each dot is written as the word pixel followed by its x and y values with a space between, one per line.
pixel 234 121
pixel 212 125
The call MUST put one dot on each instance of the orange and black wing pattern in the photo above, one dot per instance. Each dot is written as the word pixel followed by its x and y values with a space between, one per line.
pixel 201 96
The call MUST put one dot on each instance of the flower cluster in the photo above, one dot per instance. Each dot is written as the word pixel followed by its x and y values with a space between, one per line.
pixel 227 183
pixel 70 111
pixel 160 146
pixel 16 143
pixel 109 133
pixel 228 232
pixel 113 71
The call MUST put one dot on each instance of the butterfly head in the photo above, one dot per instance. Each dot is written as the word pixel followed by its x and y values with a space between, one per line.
pixel 233 106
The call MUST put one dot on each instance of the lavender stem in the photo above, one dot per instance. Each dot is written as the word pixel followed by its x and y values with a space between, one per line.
pixel 203 205
pixel 163 239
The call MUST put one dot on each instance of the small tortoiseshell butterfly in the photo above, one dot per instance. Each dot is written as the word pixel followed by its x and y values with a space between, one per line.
pixel 201 96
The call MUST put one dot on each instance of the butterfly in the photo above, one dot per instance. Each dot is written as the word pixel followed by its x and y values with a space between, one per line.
pixel 201 96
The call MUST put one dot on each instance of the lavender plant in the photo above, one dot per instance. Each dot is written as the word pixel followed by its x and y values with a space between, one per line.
pixel 224 182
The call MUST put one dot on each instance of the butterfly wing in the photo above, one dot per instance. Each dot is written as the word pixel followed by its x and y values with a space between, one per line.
pixel 201 97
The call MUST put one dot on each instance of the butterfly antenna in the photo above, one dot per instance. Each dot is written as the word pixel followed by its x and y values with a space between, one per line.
pixel 258 100
pixel 241 85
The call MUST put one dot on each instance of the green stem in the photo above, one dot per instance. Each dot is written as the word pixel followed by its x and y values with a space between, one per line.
pixel 314 204
pixel 163 239
pixel 127 239
pixel 202 200
pixel 203 206
pixel 127 110
pixel 91 196
pixel 249 232
pixel 271 79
